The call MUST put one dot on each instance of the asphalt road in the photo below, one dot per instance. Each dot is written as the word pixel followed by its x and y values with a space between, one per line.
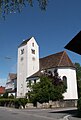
pixel 38 114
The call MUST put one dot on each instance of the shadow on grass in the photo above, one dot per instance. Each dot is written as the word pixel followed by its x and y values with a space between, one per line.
pixel 73 113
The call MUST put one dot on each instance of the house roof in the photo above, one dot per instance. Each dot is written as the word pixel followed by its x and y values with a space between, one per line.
pixel 37 74
pixel 2 90
pixel 75 44
pixel 24 42
pixel 12 76
pixel 60 59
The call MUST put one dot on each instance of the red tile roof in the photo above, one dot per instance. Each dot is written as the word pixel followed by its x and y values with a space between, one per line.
pixel 12 76
pixel 60 59
pixel 2 90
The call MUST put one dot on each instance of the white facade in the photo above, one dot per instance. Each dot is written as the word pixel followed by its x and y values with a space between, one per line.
pixel 28 64
pixel 70 73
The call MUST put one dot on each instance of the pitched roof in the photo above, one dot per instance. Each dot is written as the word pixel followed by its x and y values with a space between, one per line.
pixel 24 42
pixel 2 90
pixel 60 59
pixel 75 44
pixel 12 76
pixel 37 74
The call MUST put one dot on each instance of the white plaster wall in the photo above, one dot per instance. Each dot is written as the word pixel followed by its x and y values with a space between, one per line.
pixel 70 73
pixel 71 83
pixel 32 66
pixel 27 66
pixel 21 72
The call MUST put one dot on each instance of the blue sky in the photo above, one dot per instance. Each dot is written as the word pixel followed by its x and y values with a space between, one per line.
pixel 52 29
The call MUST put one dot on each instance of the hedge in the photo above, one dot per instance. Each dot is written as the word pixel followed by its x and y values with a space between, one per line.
pixel 17 102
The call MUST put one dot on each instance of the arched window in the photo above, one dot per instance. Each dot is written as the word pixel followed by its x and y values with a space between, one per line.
pixel 65 80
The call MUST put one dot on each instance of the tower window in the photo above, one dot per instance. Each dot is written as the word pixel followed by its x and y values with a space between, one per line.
pixel 33 44
pixel 21 58
pixel 33 51
pixel 33 58
pixel 22 51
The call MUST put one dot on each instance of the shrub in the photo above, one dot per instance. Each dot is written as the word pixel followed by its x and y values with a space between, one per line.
pixel 79 107
pixel 17 102
pixel 23 101
pixel 6 102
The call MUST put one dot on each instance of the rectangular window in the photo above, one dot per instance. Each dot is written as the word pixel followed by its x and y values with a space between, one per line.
pixel 33 51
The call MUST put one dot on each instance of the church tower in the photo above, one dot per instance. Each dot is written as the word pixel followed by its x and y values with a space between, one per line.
pixel 27 64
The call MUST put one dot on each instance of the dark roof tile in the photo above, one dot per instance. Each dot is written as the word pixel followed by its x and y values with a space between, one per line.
pixel 24 42
pixel 60 59
pixel 56 60
pixel 12 76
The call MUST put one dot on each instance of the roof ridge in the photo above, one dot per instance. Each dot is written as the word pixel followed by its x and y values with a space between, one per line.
pixel 61 57
pixel 68 59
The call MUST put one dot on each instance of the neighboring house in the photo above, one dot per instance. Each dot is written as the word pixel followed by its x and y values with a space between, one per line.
pixel 11 84
pixel 30 68
pixel 2 90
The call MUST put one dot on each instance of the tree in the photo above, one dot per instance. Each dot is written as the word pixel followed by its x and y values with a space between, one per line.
pixel 5 95
pixel 46 90
pixel 78 74
pixel 8 6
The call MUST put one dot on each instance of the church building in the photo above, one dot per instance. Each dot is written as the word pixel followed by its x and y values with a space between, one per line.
pixel 30 67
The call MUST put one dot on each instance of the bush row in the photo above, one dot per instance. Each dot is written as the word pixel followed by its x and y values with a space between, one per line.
pixel 17 102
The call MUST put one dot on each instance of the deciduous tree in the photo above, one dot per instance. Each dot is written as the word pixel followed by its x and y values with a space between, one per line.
pixel 49 88
pixel 8 6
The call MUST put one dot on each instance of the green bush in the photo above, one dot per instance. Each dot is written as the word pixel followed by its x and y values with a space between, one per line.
pixel 20 102
pixel 6 102
pixel 79 107
pixel 17 102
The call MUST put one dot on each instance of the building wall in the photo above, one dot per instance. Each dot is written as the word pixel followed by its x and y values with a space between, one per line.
pixel 11 86
pixel 28 64
pixel 71 92
pixel 33 59
pixel 70 73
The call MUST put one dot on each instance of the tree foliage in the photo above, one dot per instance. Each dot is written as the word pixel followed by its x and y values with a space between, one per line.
pixel 8 6
pixel 47 89
pixel 78 74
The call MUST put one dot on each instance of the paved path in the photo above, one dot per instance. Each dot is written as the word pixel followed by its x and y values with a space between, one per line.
pixel 37 114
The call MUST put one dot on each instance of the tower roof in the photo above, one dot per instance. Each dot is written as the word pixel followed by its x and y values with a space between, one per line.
pixel 24 42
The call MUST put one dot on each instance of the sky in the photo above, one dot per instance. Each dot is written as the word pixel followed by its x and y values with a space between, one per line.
pixel 52 29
